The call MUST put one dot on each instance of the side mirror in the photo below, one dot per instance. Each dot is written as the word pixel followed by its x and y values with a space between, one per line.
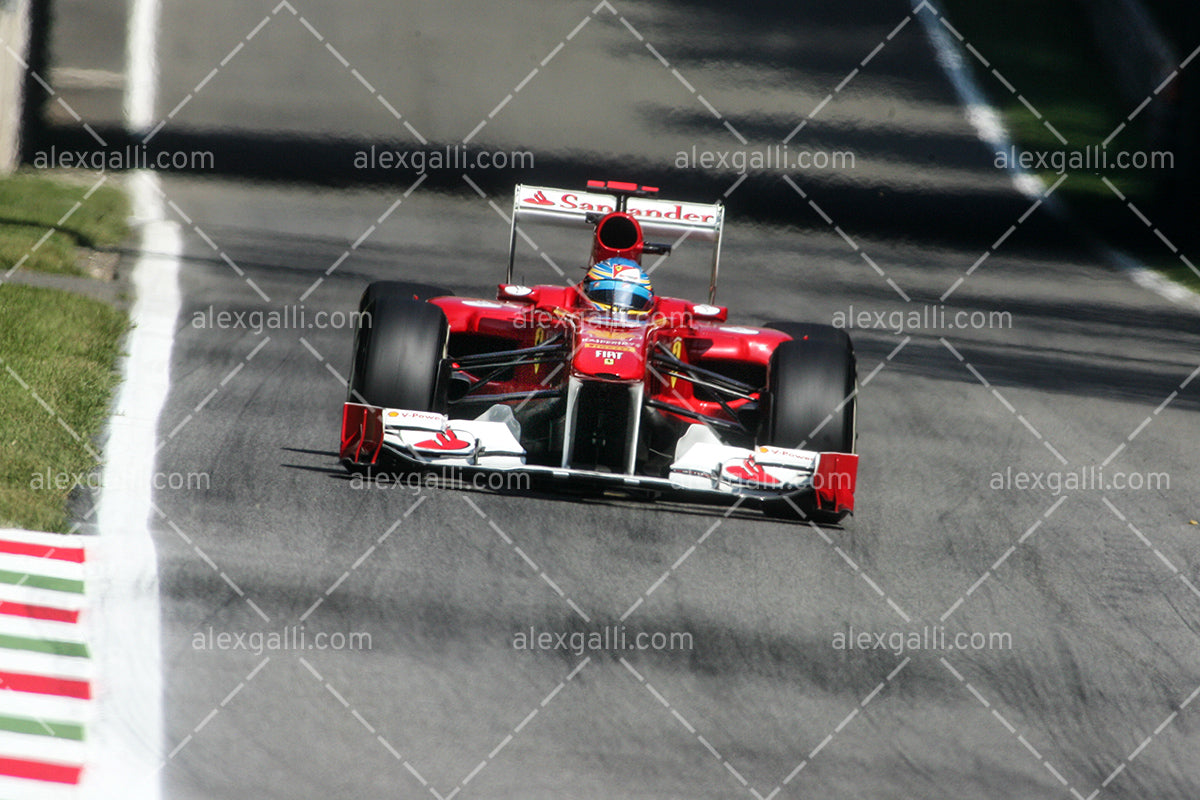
pixel 707 313
pixel 516 293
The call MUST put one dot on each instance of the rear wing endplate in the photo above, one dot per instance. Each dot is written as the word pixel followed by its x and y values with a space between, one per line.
pixel 673 219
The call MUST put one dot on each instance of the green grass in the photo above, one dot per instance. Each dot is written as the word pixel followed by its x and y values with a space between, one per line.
pixel 57 352
pixel 1045 50
pixel 74 212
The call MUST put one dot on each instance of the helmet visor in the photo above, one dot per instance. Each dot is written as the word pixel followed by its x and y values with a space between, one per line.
pixel 620 295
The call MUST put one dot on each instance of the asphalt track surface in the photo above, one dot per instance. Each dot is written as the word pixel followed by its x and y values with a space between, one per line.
pixel 1096 588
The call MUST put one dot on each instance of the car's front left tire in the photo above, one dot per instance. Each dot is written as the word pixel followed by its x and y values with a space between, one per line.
pixel 398 355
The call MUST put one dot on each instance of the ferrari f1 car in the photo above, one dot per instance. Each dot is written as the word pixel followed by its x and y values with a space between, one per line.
pixel 602 382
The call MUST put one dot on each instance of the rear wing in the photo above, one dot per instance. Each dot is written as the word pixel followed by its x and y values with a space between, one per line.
pixel 675 220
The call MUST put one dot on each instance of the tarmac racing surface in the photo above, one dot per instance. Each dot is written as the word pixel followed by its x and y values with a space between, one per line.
pixel 1027 424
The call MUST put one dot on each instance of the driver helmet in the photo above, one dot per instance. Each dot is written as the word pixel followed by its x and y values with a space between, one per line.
pixel 618 285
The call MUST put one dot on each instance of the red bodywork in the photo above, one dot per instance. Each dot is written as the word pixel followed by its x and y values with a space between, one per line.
pixel 609 350
pixel 542 349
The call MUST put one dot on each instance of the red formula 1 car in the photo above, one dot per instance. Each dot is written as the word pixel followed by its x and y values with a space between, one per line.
pixel 601 382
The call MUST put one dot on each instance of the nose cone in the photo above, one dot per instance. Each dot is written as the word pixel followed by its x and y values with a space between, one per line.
pixel 614 353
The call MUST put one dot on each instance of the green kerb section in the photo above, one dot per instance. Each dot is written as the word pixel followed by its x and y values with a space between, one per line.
pixel 41 582
pixel 56 648
pixel 35 727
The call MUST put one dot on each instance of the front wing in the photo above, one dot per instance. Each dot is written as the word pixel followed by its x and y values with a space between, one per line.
pixel 702 466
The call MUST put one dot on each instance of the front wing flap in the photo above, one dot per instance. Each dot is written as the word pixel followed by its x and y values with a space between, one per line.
pixel 703 465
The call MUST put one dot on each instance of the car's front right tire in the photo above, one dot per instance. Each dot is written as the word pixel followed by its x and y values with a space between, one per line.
pixel 811 399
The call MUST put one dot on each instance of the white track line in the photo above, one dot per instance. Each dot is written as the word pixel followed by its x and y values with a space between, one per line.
pixel 141 67
pixel 125 743
pixel 989 127
pixel 123 596
pixel 987 121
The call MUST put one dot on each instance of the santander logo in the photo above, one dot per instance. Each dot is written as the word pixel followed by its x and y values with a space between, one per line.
pixel 645 210
pixel 750 471
pixel 446 442
pixel 539 199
